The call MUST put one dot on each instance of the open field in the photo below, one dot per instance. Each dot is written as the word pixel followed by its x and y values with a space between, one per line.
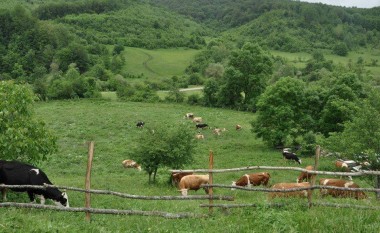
pixel 111 125
pixel 157 64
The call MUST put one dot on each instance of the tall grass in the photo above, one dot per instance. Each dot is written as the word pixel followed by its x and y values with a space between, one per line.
pixel 111 124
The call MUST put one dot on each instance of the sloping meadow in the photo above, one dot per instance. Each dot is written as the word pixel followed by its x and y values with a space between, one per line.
pixel 112 126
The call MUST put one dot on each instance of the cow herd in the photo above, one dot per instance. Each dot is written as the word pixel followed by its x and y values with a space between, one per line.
pixel 189 181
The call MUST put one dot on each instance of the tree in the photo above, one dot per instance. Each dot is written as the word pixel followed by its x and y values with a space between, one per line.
pixel 360 138
pixel 254 65
pixel 22 137
pixel 165 146
pixel 281 113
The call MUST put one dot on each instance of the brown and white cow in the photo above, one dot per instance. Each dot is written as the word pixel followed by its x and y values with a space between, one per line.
pixel 193 182
pixel 199 136
pixel 341 193
pixel 343 166
pixel 255 179
pixel 177 176
pixel 189 115
pixel 238 127
pixel 284 186
pixel 128 163
pixel 305 175
pixel 197 119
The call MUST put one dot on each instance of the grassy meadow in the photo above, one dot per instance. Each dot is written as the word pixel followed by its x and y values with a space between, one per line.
pixel 157 64
pixel 111 125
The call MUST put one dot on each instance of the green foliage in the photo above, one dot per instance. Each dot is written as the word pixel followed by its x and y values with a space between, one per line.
pixel 361 136
pixel 22 136
pixel 340 49
pixel 280 113
pixel 137 93
pixel 164 146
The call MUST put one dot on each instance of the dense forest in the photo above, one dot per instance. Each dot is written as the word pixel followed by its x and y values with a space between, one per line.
pixel 74 49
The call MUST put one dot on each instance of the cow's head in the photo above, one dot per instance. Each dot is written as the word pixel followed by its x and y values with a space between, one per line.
pixel 183 192
pixel 233 184
pixel 63 200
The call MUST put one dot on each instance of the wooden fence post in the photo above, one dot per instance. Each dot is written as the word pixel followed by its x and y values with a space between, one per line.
pixel 313 178
pixel 210 191
pixel 88 179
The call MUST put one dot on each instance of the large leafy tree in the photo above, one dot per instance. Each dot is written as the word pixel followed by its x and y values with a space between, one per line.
pixel 252 67
pixel 22 136
pixel 281 112
pixel 164 146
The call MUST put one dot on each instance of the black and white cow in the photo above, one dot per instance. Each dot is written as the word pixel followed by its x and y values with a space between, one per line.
pixel 18 173
pixel 288 155
pixel 201 126
pixel 140 124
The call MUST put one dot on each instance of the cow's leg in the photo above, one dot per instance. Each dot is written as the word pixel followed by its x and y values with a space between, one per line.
pixel 4 194
pixel 42 199
pixel 31 196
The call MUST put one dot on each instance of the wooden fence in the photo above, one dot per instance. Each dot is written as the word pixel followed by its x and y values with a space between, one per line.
pixel 87 209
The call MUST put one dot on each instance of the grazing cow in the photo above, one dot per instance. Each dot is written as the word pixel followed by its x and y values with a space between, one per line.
pixel 177 176
pixel 217 131
pixel 199 136
pixel 284 186
pixel 238 127
pixel 128 163
pixel 201 126
pixel 140 124
pixel 341 193
pixel 18 173
pixel 305 175
pixel 255 179
pixel 189 115
pixel 193 182
pixel 197 119
pixel 347 166
pixel 287 154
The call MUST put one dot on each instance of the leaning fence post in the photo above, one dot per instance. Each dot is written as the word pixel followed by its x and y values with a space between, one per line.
pixel 210 191
pixel 313 178
pixel 88 179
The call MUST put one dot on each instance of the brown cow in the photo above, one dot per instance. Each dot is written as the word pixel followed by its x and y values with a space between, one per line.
pixel 255 179
pixel 128 163
pixel 199 136
pixel 341 193
pixel 193 182
pixel 197 119
pixel 284 186
pixel 305 175
pixel 238 127
pixel 177 176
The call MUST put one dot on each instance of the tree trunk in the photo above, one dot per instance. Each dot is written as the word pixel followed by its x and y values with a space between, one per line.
pixel 377 186
pixel 150 177
pixel 154 175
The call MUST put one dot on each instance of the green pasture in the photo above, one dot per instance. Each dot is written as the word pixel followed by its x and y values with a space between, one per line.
pixel 111 125
pixel 158 64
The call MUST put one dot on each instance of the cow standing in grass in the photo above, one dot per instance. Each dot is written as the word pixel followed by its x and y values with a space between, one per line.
pixel 18 173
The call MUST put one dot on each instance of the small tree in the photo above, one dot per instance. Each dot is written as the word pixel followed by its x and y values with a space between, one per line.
pixel 170 146
pixel 22 137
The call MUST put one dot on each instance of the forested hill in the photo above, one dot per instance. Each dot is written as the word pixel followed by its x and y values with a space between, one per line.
pixel 283 24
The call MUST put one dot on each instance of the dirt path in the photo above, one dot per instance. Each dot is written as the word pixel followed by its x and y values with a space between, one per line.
pixel 145 63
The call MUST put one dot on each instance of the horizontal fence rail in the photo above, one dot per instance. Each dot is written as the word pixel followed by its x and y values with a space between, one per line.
pixel 360 173
pixel 124 195
pixel 104 211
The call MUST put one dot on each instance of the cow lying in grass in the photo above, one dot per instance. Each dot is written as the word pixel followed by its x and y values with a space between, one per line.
pixel 255 179
pixel 284 186
pixel 340 193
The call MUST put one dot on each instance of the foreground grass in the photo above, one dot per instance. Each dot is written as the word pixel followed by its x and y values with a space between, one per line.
pixel 111 125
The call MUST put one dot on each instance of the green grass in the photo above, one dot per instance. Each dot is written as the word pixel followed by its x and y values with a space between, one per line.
pixel 111 124
pixel 158 64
